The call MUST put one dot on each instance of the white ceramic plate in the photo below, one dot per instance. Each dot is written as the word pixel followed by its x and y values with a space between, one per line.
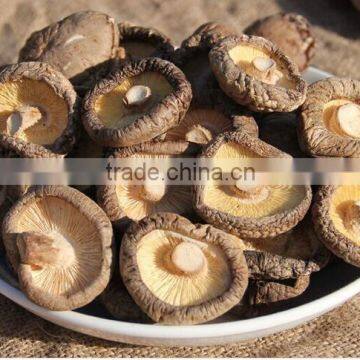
pixel 329 288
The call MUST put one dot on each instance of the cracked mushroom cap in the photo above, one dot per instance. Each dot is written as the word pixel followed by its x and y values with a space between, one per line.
pixel 137 103
pixel 262 292
pixel 245 210
pixel 330 119
pixel 298 252
pixel 138 42
pixel 131 202
pixel 256 73
pixel 202 124
pixel 336 220
pixel 181 273
pixel 59 242
pixel 280 131
pixel 291 32
pixel 76 45
pixel 37 111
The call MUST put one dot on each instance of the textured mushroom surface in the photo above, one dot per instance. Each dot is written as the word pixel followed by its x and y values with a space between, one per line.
pixel 59 243
pixel 138 42
pixel 76 45
pixel 245 210
pixel 273 292
pixel 337 222
pixel 330 118
pixel 37 110
pixel 127 201
pixel 291 32
pixel 296 253
pixel 181 273
pixel 256 73
pixel 192 58
pixel 137 103
pixel 280 131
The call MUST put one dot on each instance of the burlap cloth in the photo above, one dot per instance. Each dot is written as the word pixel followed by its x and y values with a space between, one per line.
pixel 337 28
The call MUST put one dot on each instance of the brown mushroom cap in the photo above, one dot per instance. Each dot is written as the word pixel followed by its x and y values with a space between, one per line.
pixel 270 212
pixel 160 96
pixel 330 118
pixel 280 131
pixel 131 202
pixel 274 292
pixel 138 42
pixel 120 304
pixel 59 242
pixel 38 109
pixel 76 45
pixel 278 86
pixel 291 32
pixel 295 253
pixel 181 273
pixel 336 220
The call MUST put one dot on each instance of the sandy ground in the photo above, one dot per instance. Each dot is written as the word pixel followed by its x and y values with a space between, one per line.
pixel 336 22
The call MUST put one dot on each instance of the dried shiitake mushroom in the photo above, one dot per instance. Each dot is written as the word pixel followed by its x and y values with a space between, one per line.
pixel 280 130
pixel 77 45
pixel 330 118
pixel 120 304
pixel 59 243
pixel 37 110
pixel 291 32
pixel 337 222
pixel 249 211
pixel 297 252
pixel 137 103
pixel 256 73
pixel 262 292
pixel 125 202
pixel 192 58
pixel 181 273
pixel 202 124
pixel 138 42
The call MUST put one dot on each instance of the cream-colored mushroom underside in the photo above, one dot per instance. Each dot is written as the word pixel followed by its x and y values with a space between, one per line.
pixel 223 198
pixel 243 55
pixel 343 212
pixel 210 119
pixel 61 221
pixel 111 109
pixel 173 287
pixel 14 95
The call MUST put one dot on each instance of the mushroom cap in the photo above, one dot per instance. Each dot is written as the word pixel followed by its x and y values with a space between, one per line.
pixel 126 202
pixel 291 32
pixel 110 123
pixel 336 221
pixel 277 210
pixel 76 45
pixel 280 131
pixel 59 242
pixel 231 59
pixel 165 293
pixel 274 292
pixel 43 88
pixel 138 42
pixel 318 131
pixel 295 253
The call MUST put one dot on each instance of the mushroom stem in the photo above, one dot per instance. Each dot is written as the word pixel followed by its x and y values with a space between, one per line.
pixel 348 119
pixel 22 119
pixel 251 193
pixel 199 135
pixel 265 69
pixel 188 258
pixel 153 190
pixel 40 250
pixel 137 95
